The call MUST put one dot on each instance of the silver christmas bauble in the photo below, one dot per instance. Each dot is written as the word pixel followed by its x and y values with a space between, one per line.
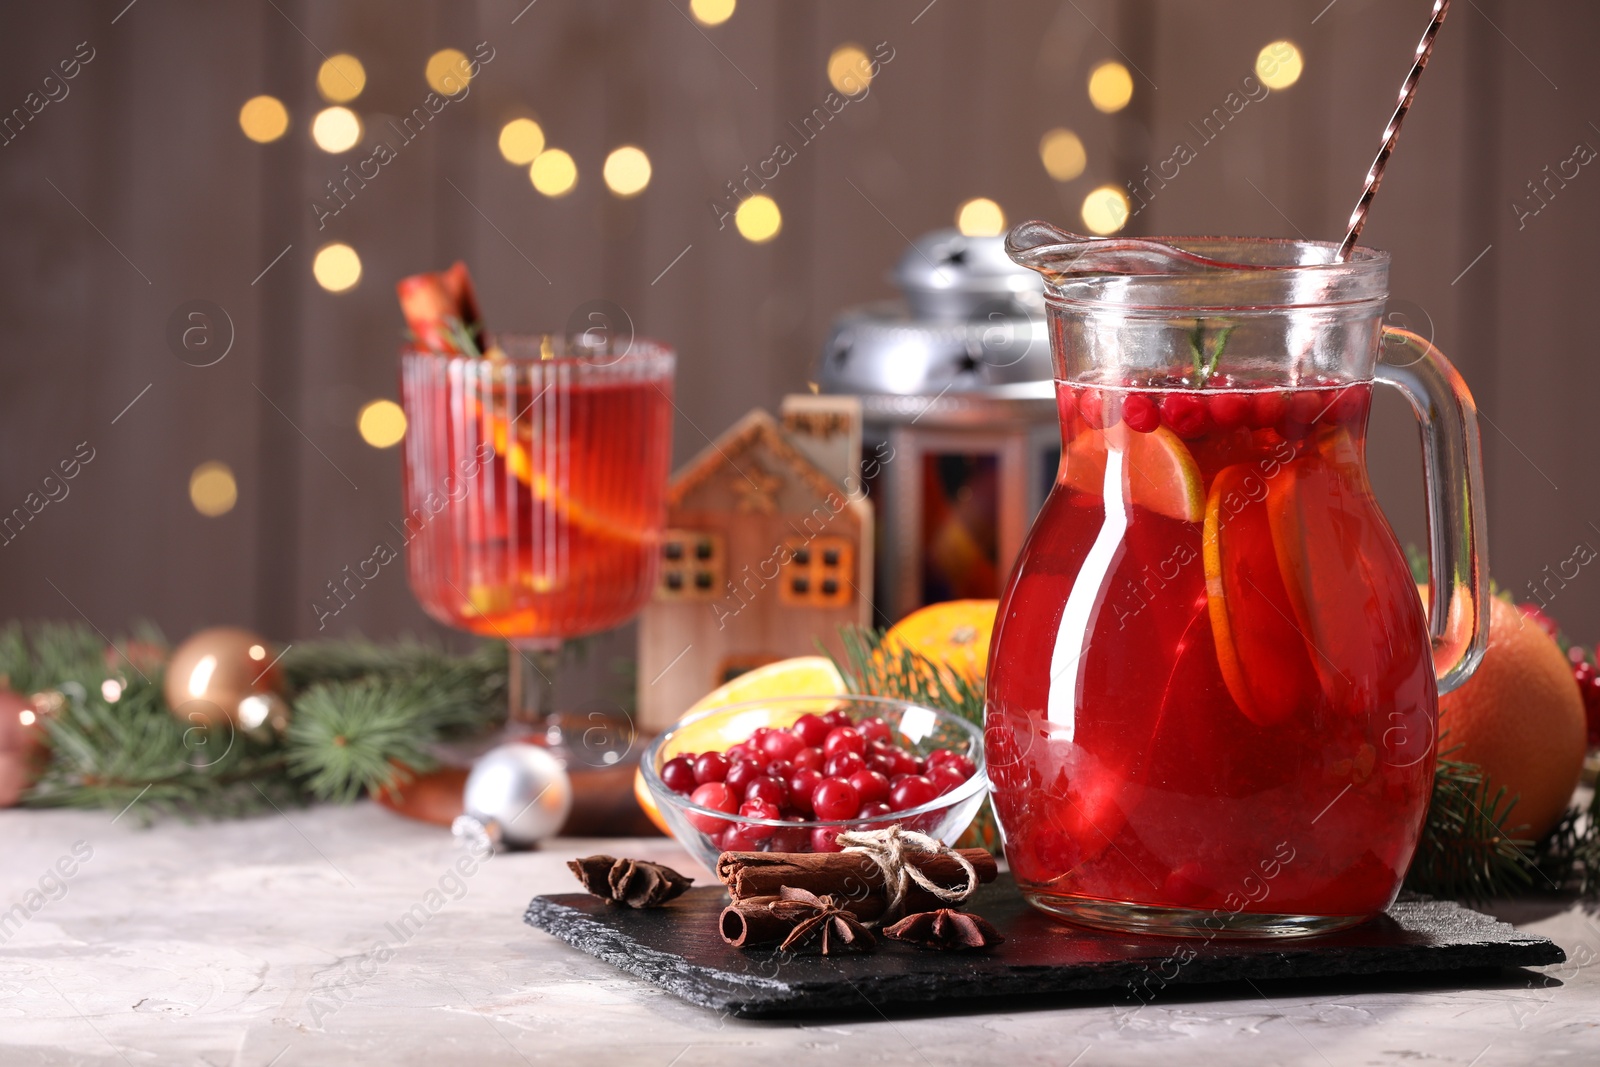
pixel 516 795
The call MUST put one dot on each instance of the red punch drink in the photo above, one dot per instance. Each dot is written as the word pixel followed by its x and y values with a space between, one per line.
pixel 534 491
pixel 1251 721
pixel 1213 686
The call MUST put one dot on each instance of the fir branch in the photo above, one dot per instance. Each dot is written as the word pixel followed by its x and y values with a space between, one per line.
pixel 1466 851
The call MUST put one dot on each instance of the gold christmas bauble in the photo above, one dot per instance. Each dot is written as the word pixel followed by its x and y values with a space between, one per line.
pixel 230 676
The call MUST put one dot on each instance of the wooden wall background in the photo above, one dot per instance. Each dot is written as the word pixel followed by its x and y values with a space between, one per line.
pixel 137 192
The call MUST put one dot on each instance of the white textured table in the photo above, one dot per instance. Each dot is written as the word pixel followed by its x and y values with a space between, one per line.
pixel 256 942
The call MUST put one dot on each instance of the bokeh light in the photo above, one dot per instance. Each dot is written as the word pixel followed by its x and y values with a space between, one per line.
pixel 447 71
pixel 521 141
pixel 336 129
pixel 382 423
pixel 1062 153
pixel 212 489
pixel 1279 64
pixel 849 70
pixel 263 118
pixel 712 12
pixel 336 267
pixel 341 78
pixel 1110 86
pixel 627 171
pixel 553 173
pixel 758 219
pixel 1105 211
pixel 980 217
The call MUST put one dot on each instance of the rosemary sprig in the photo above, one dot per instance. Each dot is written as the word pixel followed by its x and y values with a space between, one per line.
pixel 1206 360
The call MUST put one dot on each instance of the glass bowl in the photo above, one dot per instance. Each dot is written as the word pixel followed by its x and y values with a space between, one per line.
pixel 913 727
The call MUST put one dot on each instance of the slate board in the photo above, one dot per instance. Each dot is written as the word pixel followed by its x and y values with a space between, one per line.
pixel 677 948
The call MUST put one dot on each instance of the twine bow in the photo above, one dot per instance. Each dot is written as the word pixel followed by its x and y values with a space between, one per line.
pixel 889 848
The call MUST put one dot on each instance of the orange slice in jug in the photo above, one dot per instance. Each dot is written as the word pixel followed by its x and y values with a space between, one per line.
pixel 1160 472
pixel 1260 647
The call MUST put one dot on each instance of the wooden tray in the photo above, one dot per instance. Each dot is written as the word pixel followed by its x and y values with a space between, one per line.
pixel 677 948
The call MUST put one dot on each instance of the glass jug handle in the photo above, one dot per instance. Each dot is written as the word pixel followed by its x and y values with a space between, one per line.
pixel 1459 622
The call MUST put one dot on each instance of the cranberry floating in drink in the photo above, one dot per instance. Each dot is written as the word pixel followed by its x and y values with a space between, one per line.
pixel 1213 686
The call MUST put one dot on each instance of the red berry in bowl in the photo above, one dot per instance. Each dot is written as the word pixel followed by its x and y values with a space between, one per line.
pixel 912 791
pixel 844 765
pixel 963 764
pixel 906 763
pixel 837 717
pixel 718 797
pixel 1185 413
pixel 779 769
pixel 767 791
pixel 1140 413
pixel 875 810
pixel 710 767
pixel 760 809
pixel 883 764
pixel 744 837
pixel 844 739
pixel 802 784
pixel 1228 410
pixel 791 839
pixel 677 774
pixel 945 778
pixel 741 774
pixel 811 729
pixel 876 730
pixel 782 745
pixel 809 759
pixel 822 840
pixel 835 799
pixel 870 785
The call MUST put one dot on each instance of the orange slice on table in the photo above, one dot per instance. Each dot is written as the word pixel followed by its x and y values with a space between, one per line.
pixel 1265 662
pixel 1159 471
pixel 797 677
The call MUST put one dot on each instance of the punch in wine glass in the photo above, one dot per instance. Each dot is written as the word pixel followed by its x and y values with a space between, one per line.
pixel 535 488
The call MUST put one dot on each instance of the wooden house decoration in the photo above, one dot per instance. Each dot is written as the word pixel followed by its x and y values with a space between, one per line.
pixel 768 549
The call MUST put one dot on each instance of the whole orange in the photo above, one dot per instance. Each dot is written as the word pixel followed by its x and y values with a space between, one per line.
pixel 1520 718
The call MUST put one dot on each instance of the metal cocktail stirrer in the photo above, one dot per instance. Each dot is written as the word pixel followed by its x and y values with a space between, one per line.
pixel 1408 90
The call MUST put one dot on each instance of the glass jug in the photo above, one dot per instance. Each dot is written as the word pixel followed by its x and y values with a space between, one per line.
pixel 1213 685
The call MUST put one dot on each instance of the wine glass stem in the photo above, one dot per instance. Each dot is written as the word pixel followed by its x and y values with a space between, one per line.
pixel 533 681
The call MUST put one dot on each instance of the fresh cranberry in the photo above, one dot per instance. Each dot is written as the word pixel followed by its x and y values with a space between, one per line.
pixel 767 790
pixel 835 799
pixel 1588 680
pixel 802 784
pixel 1185 414
pixel 718 797
pixel 844 739
pixel 1228 410
pixel 844 765
pixel 1141 413
pixel 912 791
pixel 791 839
pixel 823 840
pixel 809 758
pixel 906 763
pixel 876 729
pixel 780 769
pixel 781 744
pixel 741 774
pixel 760 809
pixel 962 765
pixel 810 729
pixel 837 717
pixel 1268 409
pixel 677 774
pixel 758 735
pixel 877 809
pixel 939 756
pixel 945 778
pixel 871 785
pixel 744 837
pixel 884 764
pixel 710 767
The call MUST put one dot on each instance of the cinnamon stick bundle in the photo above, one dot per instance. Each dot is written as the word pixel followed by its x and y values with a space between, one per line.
pixel 852 877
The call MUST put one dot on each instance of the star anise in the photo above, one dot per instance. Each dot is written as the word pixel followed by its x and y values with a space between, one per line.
pixel 945 929
pixel 633 883
pixel 820 920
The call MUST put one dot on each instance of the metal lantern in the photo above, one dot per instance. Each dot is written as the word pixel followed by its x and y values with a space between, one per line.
pixel 960 440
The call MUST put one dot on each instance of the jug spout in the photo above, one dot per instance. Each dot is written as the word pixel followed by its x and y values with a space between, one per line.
pixel 1060 254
